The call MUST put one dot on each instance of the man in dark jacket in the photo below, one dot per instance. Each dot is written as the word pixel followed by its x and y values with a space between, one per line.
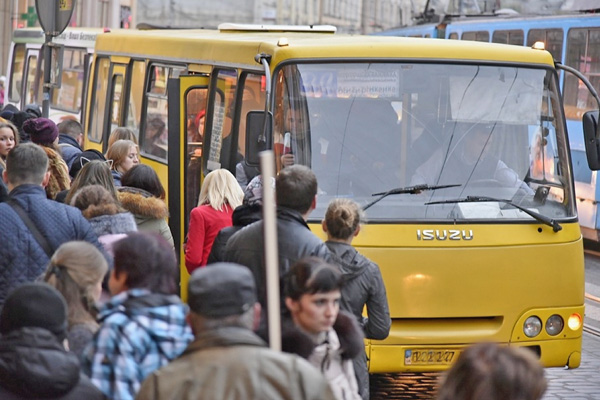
pixel 23 256
pixel 296 197
pixel 227 360
pixel 33 361
pixel 70 139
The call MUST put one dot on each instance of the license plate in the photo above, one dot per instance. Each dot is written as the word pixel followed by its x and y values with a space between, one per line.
pixel 430 356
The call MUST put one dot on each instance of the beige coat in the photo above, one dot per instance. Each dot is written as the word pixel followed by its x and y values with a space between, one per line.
pixel 150 212
pixel 234 364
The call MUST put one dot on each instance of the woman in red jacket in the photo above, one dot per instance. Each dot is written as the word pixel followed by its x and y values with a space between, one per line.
pixel 219 196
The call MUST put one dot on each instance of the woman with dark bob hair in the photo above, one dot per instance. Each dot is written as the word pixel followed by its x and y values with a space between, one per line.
pixel 142 194
pixel 312 296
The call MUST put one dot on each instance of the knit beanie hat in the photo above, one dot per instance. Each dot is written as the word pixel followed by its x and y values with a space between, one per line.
pixel 253 194
pixel 36 305
pixel 41 130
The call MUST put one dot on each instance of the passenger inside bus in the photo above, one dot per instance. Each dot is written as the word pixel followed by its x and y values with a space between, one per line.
pixel 468 160
pixel 294 141
pixel 155 142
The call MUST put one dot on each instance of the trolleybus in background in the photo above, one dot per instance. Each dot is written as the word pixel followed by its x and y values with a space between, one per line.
pixel 572 40
pixel 26 70
pixel 486 248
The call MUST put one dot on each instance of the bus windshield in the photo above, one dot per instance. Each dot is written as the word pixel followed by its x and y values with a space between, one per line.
pixel 473 131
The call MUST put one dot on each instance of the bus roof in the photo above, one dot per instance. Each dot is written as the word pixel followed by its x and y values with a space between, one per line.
pixel 239 48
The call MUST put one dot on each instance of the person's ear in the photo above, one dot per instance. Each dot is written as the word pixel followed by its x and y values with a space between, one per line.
pixel 313 205
pixel 291 304
pixel 46 178
pixel 356 232
pixel 5 176
pixel 189 319
pixel 324 226
pixel 256 322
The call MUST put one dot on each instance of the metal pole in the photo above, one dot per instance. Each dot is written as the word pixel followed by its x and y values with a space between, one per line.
pixel 47 75
pixel 267 167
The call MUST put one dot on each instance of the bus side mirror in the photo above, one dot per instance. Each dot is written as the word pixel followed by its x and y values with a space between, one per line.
pixel 256 135
pixel 592 141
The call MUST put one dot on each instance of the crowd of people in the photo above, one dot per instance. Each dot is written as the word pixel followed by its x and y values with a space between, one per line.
pixel 89 285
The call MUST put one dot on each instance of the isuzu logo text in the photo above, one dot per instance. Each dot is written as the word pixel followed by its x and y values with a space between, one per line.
pixel 444 234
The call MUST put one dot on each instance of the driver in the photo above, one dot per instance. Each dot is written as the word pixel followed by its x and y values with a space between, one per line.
pixel 468 160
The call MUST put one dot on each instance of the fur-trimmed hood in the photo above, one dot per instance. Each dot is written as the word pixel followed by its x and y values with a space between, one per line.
pixel 141 203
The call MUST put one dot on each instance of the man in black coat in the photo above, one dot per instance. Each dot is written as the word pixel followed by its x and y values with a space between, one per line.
pixel 33 361
pixel 23 256
pixel 296 195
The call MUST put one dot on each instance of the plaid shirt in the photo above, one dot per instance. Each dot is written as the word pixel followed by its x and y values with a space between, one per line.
pixel 139 333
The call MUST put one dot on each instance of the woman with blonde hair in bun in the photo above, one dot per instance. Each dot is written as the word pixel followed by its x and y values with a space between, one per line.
pixel 76 270
pixel 363 281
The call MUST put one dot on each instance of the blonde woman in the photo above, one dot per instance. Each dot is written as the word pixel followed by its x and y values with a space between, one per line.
pixel 123 155
pixel 219 196
pixel 9 138
pixel 76 270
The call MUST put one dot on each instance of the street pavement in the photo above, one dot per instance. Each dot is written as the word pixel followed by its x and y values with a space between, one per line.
pixel 582 383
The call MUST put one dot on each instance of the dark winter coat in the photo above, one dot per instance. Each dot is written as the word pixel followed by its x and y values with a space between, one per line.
pixel 334 355
pixel 35 365
pixel 69 148
pixel 22 259
pixel 242 216
pixel 363 286
pixel 295 241
pixel 3 188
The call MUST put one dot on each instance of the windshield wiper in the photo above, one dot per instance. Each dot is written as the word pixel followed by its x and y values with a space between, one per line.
pixel 482 199
pixel 407 190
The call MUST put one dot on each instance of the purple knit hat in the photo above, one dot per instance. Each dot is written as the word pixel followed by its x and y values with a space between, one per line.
pixel 41 130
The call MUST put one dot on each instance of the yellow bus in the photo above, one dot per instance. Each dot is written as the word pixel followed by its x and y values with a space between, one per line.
pixel 457 150
pixel 26 70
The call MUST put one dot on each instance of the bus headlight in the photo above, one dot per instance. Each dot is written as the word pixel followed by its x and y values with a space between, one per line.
pixel 574 322
pixel 554 325
pixel 532 326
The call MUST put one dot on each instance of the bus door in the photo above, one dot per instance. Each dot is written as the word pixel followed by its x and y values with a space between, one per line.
pixel 187 110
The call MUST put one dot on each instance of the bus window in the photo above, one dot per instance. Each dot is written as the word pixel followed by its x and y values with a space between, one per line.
pixel 253 99
pixel 98 103
pixel 153 141
pixel 31 86
pixel 136 95
pixel 583 54
pixel 195 110
pixel 508 37
pixel 221 147
pixel 479 36
pixel 68 97
pixel 453 36
pixel 18 68
pixel 553 38
pixel 115 101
